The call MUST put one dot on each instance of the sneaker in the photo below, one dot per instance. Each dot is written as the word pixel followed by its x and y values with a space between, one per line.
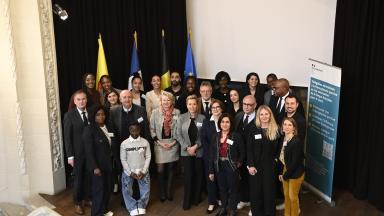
pixel 108 213
pixel 141 211
pixel 280 207
pixel 134 212
pixel 243 204
pixel 219 202
pixel 250 213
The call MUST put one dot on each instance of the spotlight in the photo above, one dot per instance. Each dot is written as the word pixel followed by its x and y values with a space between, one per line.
pixel 60 12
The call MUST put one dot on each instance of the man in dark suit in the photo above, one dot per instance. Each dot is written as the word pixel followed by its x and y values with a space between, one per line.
pixel 121 118
pixel 291 105
pixel 74 123
pixel 242 121
pixel 277 101
pixel 204 102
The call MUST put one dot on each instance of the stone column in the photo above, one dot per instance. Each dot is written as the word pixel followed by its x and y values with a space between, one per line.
pixel 31 150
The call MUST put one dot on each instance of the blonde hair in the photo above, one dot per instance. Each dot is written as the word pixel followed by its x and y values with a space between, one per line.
pixel 169 96
pixel 191 97
pixel 272 132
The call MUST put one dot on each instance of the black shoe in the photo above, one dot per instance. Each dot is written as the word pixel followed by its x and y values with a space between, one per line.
pixel 210 211
pixel 162 199
pixel 221 212
pixel 170 198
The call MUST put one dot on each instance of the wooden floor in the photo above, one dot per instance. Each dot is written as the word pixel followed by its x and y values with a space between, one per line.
pixel 346 205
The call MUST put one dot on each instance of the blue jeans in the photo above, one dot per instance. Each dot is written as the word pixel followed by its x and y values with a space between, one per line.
pixel 144 185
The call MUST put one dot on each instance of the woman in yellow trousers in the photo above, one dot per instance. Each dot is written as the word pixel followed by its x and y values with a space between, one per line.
pixel 292 176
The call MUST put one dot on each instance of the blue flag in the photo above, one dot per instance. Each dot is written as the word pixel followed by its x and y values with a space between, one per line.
pixel 135 64
pixel 190 68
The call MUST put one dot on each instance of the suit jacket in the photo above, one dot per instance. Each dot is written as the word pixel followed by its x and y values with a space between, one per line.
pixel 239 118
pixel 142 98
pixel 235 152
pixel 157 120
pixel 73 132
pixel 137 112
pixel 280 114
pixel 206 138
pixel 301 125
pixel 200 108
pixel 293 157
pixel 182 133
pixel 98 150
pixel 261 152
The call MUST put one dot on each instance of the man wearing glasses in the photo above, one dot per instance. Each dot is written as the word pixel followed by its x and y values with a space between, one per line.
pixel 242 122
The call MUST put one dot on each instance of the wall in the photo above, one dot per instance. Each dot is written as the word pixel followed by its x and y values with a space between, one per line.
pixel 276 36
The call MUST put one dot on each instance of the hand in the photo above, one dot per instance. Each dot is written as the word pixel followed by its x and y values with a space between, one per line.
pixel 133 175
pixel 97 172
pixel 192 150
pixel 252 170
pixel 140 175
pixel 167 146
pixel 71 162
pixel 238 164
pixel 211 177
pixel 281 178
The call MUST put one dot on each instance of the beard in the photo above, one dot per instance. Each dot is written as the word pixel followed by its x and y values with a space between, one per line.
pixel 175 83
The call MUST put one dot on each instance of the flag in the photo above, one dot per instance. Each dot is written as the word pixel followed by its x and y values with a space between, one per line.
pixel 165 74
pixel 190 68
pixel 102 68
pixel 135 64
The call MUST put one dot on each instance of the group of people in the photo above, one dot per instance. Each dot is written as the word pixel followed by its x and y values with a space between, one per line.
pixel 243 146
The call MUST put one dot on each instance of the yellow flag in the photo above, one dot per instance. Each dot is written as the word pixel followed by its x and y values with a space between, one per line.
pixel 102 68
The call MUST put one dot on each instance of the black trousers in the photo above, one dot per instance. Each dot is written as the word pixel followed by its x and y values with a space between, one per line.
pixel 228 180
pixel 244 183
pixel 212 187
pixel 101 192
pixel 262 192
pixel 193 177
pixel 81 181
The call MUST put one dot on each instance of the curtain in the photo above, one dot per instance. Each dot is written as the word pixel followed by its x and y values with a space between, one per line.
pixel 359 51
pixel 116 21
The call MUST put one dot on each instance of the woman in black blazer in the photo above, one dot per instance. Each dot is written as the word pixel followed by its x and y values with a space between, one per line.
pixel 100 150
pixel 254 87
pixel 138 96
pixel 262 146
pixel 227 154
pixel 292 156
pixel 210 126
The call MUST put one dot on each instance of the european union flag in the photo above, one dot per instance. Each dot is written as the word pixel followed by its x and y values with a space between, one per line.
pixel 190 68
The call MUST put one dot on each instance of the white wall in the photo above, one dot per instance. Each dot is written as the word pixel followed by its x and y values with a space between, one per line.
pixel 274 36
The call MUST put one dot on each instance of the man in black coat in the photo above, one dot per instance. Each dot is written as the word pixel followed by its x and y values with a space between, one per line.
pixel 291 105
pixel 277 102
pixel 242 121
pixel 74 122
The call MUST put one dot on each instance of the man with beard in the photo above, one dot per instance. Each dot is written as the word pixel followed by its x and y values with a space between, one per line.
pixel 175 88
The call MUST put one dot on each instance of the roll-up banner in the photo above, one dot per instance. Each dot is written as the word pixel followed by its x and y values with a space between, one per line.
pixel 323 114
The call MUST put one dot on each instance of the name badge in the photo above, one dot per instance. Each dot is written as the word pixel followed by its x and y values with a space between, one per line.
pixel 199 124
pixel 257 136
pixel 111 135
pixel 230 142
pixel 144 97
pixel 140 119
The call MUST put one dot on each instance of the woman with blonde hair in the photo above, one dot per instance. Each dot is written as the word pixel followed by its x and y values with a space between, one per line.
pixel 262 146
pixel 292 157
pixel 163 123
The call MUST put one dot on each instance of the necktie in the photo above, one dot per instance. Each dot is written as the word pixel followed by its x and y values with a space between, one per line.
pixel 245 123
pixel 206 112
pixel 85 120
pixel 278 107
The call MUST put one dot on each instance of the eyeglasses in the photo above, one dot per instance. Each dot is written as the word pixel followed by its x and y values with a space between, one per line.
pixel 215 107
pixel 246 104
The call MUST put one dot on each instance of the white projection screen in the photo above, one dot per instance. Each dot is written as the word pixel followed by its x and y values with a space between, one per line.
pixel 272 36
